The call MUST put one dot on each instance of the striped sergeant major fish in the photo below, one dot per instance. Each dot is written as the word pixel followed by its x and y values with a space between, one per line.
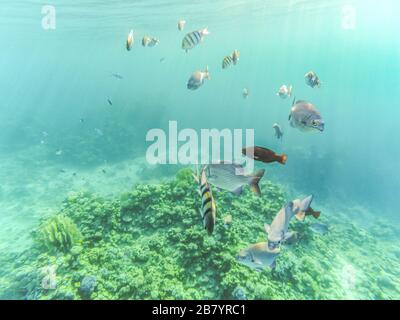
pixel 228 60
pixel 208 208
pixel 192 39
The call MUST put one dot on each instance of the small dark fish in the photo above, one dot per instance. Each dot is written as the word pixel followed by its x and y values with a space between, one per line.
pixel 312 212
pixel 81 120
pixel 117 76
pixel 74 174
pixel 62 171
pixel 104 171
pixel 264 155
pixel 162 59
pixel 109 102
pixel 312 79
pixel 319 228
pixel 278 131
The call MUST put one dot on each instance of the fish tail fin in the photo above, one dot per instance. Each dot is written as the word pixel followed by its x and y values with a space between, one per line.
pixel 282 159
pixel 207 73
pixel 315 214
pixel 306 203
pixel 267 228
pixel 294 101
pixel 205 31
pixel 255 179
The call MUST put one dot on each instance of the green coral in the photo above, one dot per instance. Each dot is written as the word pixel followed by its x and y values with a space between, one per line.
pixel 58 233
pixel 149 243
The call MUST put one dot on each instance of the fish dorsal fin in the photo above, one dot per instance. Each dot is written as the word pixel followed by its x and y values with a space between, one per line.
pixel 267 228
pixel 289 210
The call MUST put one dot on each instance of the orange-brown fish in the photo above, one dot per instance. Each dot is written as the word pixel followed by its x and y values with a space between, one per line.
pixel 312 212
pixel 301 214
pixel 264 155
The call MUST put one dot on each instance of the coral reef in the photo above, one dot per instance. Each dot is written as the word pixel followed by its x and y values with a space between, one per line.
pixel 150 244
pixel 59 233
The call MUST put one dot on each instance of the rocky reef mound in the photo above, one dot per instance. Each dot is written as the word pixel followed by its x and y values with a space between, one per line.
pixel 150 244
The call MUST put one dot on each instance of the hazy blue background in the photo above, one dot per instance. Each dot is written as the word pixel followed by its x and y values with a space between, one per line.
pixel 51 79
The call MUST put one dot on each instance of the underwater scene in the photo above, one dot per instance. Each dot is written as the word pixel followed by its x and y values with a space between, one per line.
pixel 199 150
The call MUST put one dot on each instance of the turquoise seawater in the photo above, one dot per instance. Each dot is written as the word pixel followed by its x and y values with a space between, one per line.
pixel 68 125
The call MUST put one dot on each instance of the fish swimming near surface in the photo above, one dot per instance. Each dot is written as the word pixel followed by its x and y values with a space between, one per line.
pixel 162 59
pixel 109 102
pixel 117 76
pixel 285 91
pixel 232 177
pixel 312 79
pixel 208 210
pixel 231 59
pixel 149 41
pixel 258 256
pixel 319 228
pixel 197 79
pixel 130 41
pixel 192 39
pixel 278 131
pixel 278 231
pixel 181 25
pixel 245 93
pixel 264 155
pixel 305 117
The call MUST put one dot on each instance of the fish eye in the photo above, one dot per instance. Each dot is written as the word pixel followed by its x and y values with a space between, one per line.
pixel 315 123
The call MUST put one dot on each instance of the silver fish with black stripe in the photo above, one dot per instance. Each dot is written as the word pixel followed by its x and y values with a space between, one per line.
pixel 208 210
pixel 192 39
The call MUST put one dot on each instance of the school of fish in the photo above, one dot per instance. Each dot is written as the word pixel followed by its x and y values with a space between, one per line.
pixel 232 177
